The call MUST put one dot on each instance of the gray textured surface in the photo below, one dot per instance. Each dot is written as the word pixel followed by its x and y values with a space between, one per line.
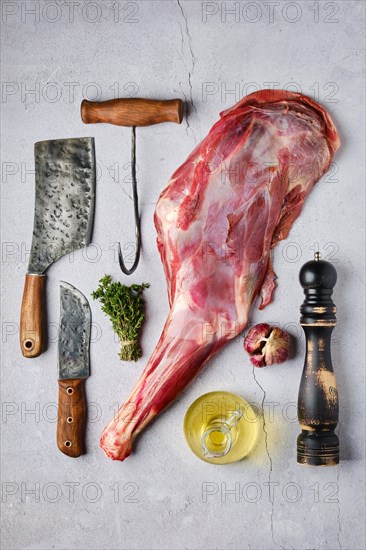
pixel 163 496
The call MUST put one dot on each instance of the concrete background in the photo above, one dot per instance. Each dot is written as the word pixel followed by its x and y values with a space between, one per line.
pixel 53 55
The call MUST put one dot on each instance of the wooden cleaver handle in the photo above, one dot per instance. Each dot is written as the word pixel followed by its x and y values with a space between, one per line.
pixel 31 316
pixel 71 417
pixel 132 111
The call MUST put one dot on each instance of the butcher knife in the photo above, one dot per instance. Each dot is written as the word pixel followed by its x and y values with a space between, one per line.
pixel 63 219
pixel 73 368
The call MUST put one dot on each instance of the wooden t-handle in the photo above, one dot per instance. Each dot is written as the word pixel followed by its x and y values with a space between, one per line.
pixel 71 417
pixel 132 111
pixel 31 316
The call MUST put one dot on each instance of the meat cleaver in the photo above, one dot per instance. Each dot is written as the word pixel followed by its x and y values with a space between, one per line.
pixel 73 368
pixel 63 220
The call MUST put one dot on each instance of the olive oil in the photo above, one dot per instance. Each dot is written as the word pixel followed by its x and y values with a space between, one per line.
pixel 221 427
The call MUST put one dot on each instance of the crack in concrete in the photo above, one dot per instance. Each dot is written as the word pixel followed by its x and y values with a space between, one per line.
pixel 338 505
pixel 193 61
pixel 339 515
pixel 269 458
pixel 186 101
pixel 125 192
pixel 106 168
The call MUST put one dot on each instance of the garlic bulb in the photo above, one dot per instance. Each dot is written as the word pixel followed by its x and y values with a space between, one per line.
pixel 267 345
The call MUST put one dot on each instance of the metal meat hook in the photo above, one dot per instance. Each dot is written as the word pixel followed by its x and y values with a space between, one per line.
pixel 132 112
pixel 136 212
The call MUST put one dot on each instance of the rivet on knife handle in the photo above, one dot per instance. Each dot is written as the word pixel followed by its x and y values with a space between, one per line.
pixel 71 417
pixel 31 317
pixel 132 111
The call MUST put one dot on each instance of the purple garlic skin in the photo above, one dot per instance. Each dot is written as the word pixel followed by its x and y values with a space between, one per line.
pixel 267 345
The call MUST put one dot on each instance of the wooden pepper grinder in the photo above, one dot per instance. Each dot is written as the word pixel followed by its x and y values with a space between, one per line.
pixel 318 445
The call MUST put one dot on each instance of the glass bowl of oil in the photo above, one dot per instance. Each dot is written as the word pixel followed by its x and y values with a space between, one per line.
pixel 221 427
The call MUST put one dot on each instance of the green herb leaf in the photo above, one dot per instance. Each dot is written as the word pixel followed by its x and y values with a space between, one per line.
pixel 124 306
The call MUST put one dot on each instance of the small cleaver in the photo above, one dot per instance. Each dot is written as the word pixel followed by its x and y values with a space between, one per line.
pixel 73 368
pixel 63 220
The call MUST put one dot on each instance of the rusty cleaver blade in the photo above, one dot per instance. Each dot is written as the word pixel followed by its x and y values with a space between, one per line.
pixel 73 368
pixel 63 220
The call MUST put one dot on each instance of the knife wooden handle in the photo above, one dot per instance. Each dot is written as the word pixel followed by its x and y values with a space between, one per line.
pixel 31 316
pixel 132 111
pixel 71 417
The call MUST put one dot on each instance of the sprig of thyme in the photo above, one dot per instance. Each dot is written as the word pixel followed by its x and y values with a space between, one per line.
pixel 124 306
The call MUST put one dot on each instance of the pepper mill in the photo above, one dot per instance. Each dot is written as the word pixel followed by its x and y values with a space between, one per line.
pixel 318 445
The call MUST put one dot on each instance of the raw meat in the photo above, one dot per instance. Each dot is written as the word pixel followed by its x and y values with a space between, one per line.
pixel 234 198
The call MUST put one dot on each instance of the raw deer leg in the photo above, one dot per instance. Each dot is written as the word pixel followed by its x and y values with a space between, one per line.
pixel 236 196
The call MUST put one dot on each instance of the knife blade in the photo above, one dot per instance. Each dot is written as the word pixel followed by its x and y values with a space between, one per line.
pixel 73 369
pixel 63 219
